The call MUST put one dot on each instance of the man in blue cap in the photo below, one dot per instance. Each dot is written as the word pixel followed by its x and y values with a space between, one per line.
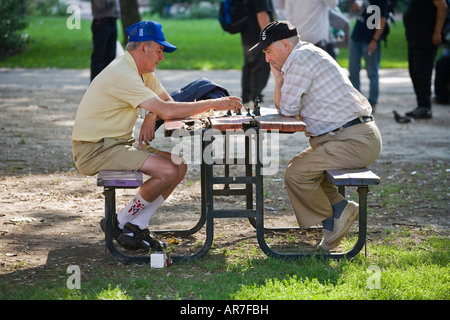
pixel 102 137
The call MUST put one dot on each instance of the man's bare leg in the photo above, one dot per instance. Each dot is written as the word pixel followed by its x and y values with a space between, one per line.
pixel 165 176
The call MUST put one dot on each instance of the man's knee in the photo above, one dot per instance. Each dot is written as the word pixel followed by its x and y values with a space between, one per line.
pixel 169 173
pixel 164 170
pixel 294 177
pixel 179 161
pixel 289 174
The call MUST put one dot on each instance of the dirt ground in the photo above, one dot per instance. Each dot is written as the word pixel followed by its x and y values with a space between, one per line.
pixel 50 213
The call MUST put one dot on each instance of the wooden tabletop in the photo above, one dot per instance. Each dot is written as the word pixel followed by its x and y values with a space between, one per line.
pixel 281 123
pixel 268 121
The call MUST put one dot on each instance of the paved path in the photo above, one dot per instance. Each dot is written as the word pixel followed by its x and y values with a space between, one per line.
pixel 416 142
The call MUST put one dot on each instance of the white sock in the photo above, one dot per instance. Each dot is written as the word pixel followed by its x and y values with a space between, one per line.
pixel 136 206
pixel 143 218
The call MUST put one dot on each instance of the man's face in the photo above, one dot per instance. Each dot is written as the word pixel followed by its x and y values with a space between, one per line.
pixel 277 53
pixel 153 55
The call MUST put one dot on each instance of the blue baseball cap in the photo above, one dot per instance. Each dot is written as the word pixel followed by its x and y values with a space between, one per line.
pixel 149 31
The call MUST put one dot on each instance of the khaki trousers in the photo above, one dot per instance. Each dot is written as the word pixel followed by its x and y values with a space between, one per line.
pixel 311 194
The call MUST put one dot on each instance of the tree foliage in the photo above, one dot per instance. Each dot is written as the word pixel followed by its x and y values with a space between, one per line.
pixel 12 39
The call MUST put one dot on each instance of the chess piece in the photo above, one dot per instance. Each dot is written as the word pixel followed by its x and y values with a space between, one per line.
pixel 256 107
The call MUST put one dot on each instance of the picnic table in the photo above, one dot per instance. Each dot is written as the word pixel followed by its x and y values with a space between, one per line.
pixel 253 129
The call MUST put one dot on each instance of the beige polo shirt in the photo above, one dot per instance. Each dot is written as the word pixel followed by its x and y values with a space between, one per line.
pixel 109 108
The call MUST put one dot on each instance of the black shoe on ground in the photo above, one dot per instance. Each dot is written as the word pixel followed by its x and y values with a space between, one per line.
pixel 420 113
pixel 116 231
pixel 133 236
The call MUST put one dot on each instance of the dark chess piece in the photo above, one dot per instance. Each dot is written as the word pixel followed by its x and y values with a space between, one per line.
pixel 256 107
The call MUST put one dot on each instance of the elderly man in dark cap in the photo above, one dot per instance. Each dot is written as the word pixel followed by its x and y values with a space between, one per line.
pixel 309 84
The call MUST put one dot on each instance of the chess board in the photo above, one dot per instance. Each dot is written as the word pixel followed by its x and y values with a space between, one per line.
pixel 221 121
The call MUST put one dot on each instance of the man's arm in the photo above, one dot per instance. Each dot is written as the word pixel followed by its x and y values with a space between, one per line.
pixel 165 108
pixel 376 37
pixel 179 110
pixel 147 132
pixel 440 19
pixel 263 19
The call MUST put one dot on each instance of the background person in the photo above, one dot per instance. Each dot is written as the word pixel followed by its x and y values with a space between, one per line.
pixel 255 71
pixel 104 34
pixel 365 44
pixel 423 20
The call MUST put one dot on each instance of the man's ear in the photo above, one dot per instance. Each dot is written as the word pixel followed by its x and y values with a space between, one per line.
pixel 143 47
pixel 286 45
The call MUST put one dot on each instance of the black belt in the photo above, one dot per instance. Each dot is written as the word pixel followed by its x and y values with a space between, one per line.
pixel 358 120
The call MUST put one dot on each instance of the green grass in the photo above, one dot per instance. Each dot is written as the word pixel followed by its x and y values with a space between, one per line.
pixel 396 268
pixel 202 45
pixel 406 262
pixel 52 45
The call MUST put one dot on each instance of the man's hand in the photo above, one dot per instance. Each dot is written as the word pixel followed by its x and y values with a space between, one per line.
pixel 437 38
pixel 226 103
pixel 147 133
pixel 372 47
pixel 279 80
pixel 276 71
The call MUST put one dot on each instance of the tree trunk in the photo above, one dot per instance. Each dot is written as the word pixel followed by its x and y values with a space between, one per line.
pixel 129 15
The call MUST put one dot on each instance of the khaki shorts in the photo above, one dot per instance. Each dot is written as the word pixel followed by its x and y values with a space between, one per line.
pixel 109 154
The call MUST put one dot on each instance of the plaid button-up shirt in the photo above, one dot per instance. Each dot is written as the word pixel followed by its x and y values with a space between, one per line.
pixel 317 89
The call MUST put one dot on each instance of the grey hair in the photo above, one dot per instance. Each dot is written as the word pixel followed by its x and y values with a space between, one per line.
pixel 292 40
pixel 131 46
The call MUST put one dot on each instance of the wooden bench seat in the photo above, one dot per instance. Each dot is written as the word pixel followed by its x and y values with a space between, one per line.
pixel 352 177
